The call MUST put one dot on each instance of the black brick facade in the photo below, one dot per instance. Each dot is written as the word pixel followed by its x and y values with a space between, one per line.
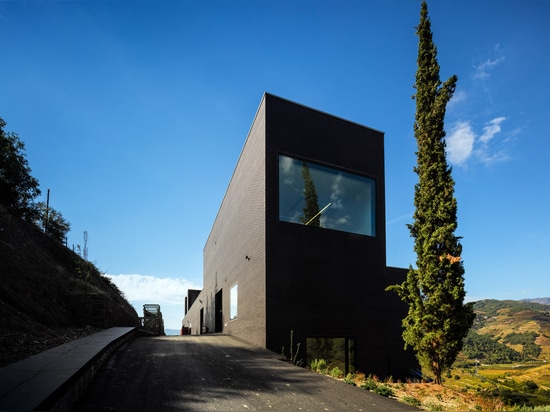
pixel 313 281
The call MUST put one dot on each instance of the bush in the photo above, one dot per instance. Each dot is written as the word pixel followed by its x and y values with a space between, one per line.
pixel 350 379
pixel 369 384
pixel 383 390
pixel 319 365
pixel 411 400
pixel 336 372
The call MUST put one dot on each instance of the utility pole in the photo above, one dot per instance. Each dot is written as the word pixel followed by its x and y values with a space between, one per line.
pixel 85 250
pixel 46 218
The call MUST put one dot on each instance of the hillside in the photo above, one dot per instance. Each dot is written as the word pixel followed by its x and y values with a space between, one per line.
pixel 49 294
pixel 522 326
pixel 503 365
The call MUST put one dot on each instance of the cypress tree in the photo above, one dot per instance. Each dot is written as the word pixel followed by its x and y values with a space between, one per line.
pixel 311 209
pixel 437 319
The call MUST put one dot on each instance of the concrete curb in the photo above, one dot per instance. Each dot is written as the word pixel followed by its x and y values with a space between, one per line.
pixel 55 378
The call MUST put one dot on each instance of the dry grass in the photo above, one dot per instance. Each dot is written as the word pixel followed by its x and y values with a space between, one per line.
pixel 442 398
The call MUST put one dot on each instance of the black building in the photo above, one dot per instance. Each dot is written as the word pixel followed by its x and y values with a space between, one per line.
pixel 299 244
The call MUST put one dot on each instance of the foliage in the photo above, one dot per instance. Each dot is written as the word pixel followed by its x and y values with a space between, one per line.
pixel 330 350
pixel 383 390
pixel 520 338
pixel 350 379
pixel 336 372
pixel 411 400
pixel 319 365
pixel 51 222
pixel 369 384
pixel 484 347
pixel 527 339
pixel 438 319
pixel 18 188
pixel 42 288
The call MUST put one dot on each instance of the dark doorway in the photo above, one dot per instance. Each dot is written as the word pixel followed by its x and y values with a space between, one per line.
pixel 202 328
pixel 218 327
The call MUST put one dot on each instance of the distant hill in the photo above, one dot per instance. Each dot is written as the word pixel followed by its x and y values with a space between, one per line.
pixel 507 331
pixel 544 301
pixel 506 353
pixel 46 288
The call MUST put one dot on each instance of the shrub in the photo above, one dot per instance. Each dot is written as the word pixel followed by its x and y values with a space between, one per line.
pixel 319 365
pixel 383 390
pixel 336 372
pixel 350 379
pixel 369 384
pixel 434 407
pixel 411 400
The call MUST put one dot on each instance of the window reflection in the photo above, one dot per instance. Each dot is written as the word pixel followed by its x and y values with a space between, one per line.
pixel 335 351
pixel 314 195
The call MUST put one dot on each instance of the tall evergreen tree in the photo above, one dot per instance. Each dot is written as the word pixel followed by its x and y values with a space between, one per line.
pixel 311 209
pixel 438 319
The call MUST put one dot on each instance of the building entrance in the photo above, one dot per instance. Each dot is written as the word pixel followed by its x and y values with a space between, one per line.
pixel 218 305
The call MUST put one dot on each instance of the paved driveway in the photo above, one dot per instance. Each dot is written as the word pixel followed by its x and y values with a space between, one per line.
pixel 217 373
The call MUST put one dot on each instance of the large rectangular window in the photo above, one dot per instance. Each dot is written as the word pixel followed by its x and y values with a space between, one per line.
pixel 315 195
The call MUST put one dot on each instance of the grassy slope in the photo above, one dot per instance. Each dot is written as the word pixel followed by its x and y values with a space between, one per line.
pixel 45 287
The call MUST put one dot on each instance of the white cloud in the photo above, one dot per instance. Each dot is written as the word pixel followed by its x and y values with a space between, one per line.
pixel 287 164
pixel 491 128
pixel 482 69
pixel 152 289
pixel 486 152
pixel 407 216
pixel 460 143
pixel 463 143
pixel 458 97
pixel 169 293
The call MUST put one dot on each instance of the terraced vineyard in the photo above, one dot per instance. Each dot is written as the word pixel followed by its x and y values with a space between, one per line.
pixel 523 327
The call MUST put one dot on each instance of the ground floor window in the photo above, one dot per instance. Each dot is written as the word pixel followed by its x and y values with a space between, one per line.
pixel 337 352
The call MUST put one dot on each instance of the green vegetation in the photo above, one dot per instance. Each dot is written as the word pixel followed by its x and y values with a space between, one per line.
pixel 487 349
pixel 319 366
pixel 46 288
pixel 437 320
pixel 336 372
pixel 411 400
pixel 19 189
pixel 52 222
pixel 500 379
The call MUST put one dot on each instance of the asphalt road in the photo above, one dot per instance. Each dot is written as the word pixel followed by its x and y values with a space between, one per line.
pixel 217 373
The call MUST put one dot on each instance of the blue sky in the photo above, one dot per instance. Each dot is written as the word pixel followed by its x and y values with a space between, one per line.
pixel 134 114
